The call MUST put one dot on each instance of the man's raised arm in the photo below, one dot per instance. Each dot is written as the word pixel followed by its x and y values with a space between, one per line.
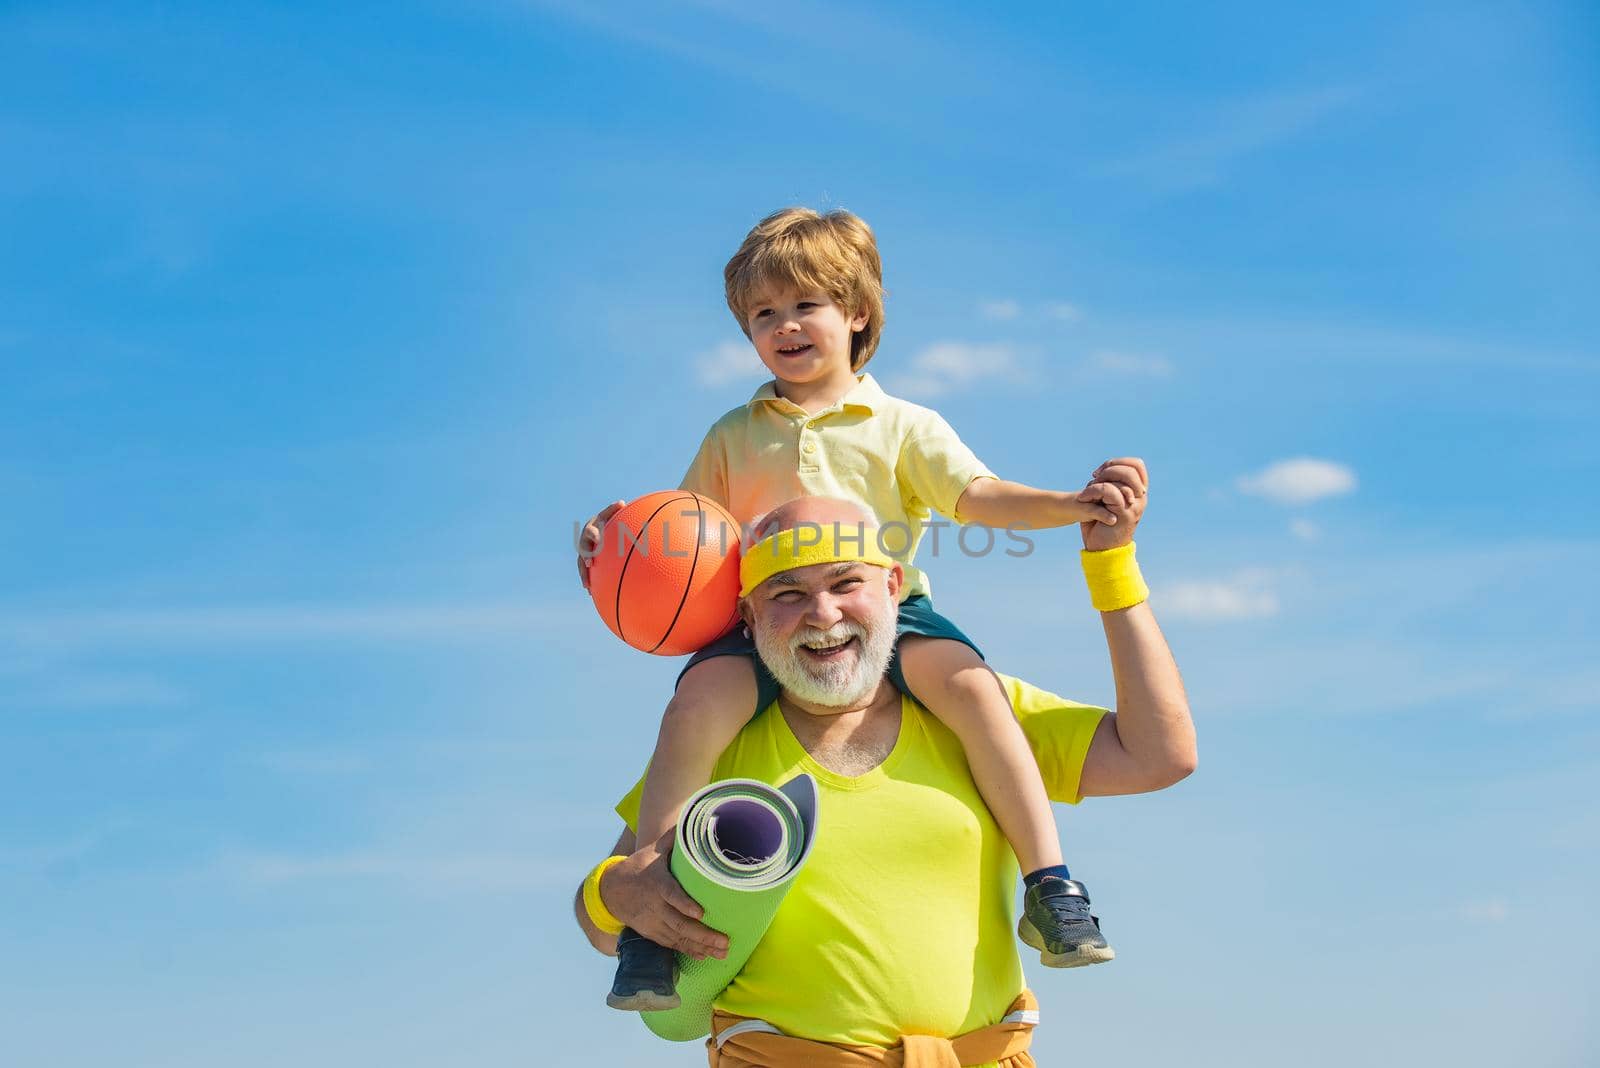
pixel 1149 742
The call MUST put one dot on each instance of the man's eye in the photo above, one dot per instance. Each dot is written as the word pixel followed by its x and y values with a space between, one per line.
pixel 847 585
pixel 787 596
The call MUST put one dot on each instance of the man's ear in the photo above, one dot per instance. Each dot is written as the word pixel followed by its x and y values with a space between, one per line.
pixel 743 608
pixel 897 578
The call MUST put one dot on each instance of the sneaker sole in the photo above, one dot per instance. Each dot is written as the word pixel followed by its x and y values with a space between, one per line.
pixel 644 1001
pixel 1077 958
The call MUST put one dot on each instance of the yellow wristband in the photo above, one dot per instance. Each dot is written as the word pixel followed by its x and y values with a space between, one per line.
pixel 1114 578
pixel 599 915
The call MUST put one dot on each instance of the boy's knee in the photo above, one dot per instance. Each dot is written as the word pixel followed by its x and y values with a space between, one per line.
pixel 944 655
pixel 944 664
pixel 719 682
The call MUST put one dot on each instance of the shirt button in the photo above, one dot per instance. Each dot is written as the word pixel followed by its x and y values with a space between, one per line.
pixel 810 446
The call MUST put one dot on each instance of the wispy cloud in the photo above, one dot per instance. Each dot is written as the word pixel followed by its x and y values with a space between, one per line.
pixel 1304 529
pixel 949 365
pixel 731 361
pixel 1131 363
pixel 259 623
pixel 1300 480
pixel 1490 910
pixel 95 691
pixel 1203 153
pixel 1007 309
pixel 1244 596
pixel 480 871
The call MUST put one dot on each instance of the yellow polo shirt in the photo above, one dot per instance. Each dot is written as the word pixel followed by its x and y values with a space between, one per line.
pixel 898 460
pixel 902 921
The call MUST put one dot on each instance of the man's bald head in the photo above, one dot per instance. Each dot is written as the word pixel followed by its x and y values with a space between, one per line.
pixel 815 511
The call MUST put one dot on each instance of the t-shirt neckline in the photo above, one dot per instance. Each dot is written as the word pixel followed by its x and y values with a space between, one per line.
pixel 865 781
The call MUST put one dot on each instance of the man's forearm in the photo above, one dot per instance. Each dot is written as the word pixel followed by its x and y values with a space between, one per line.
pixel 605 943
pixel 1152 721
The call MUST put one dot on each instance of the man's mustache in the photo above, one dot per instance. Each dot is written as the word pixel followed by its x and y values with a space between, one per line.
pixel 840 632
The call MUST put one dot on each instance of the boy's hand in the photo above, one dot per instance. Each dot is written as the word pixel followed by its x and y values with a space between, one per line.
pixel 589 539
pixel 1123 487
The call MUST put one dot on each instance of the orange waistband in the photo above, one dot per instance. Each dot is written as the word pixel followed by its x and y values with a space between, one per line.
pixel 760 1046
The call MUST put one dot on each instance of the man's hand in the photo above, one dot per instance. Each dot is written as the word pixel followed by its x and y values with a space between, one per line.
pixel 1122 486
pixel 589 539
pixel 642 893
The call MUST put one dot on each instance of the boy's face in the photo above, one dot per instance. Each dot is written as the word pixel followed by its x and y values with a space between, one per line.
pixel 803 337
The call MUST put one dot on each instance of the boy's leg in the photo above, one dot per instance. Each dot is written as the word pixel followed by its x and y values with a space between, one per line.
pixel 714 699
pixel 957 686
pixel 953 682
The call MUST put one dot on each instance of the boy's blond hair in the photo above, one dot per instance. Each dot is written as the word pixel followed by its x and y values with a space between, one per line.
pixel 799 249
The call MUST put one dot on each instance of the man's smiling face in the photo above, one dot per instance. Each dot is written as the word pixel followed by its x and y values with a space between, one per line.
pixel 827 631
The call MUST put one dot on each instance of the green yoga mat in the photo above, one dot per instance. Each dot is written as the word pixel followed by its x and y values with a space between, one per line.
pixel 740 844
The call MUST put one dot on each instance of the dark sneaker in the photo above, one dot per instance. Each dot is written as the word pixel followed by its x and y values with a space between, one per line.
pixel 647 975
pixel 1055 921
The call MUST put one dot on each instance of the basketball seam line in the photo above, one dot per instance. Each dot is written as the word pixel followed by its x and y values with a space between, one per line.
pixel 699 537
pixel 623 574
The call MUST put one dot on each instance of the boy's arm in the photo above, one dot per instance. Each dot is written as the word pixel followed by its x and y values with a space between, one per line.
pixel 995 502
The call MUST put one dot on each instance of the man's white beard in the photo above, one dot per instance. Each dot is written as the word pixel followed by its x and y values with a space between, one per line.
pixel 832 685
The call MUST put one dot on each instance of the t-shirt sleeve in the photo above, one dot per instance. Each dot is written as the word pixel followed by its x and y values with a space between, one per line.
pixel 628 807
pixel 936 466
pixel 1059 731
pixel 708 474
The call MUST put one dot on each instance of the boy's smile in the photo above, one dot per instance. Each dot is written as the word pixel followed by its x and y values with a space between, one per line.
pixel 804 340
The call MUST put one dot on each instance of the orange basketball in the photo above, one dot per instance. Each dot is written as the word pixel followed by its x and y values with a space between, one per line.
pixel 666 577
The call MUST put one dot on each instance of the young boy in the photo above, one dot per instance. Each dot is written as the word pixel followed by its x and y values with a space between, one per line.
pixel 807 290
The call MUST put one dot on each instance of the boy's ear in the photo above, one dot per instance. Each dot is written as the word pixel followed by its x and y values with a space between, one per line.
pixel 859 323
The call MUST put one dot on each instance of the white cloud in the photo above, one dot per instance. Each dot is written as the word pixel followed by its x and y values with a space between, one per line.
pixel 1131 363
pixel 1299 481
pixel 1000 309
pixel 1244 596
pixel 258 623
pixel 1305 529
pixel 948 365
pixel 1218 136
pixel 1062 311
pixel 731 361
pixel 1492 910
pixel 483 871
pixel 96 691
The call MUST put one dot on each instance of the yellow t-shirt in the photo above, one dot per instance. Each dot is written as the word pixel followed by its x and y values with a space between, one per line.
pixel 899 460
pixel 901 922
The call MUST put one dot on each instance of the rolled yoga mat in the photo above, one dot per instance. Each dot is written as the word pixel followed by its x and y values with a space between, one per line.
pixel 740 843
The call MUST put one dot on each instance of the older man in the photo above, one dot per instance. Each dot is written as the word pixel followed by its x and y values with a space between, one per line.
pixel 898 933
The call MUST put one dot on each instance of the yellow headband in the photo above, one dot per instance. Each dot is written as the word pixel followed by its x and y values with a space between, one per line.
pixel 807 544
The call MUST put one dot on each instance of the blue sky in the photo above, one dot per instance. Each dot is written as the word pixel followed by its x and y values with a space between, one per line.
pixel 318 329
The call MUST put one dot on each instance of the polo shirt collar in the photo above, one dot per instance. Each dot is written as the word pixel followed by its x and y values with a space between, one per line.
pixel 865 394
